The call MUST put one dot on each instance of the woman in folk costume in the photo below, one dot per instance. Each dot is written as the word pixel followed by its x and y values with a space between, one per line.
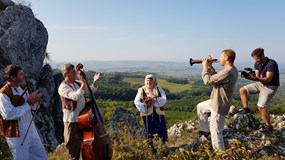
pixel 150 100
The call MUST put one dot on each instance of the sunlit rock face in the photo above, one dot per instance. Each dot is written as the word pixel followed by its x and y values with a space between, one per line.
pixel 23 38
pixel 23 41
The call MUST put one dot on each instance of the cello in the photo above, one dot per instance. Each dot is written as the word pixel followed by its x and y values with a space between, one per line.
pixel 96 143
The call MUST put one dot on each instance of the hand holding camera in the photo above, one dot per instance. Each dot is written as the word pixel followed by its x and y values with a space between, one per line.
pixel 248 73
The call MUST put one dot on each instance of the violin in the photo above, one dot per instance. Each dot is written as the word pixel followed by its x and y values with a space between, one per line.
pixel 96 144
pixel 19 100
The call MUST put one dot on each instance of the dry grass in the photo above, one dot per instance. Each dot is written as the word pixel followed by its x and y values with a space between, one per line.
pixel 59 154
pixel 128 146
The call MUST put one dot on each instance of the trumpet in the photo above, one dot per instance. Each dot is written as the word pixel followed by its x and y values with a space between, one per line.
pixel 194 61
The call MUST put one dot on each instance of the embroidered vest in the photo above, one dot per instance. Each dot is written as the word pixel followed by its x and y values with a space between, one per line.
pixel 67 103
pixel 158 110
pixel 9 128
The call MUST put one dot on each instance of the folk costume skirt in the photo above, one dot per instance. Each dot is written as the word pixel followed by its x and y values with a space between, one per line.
pixel 156 125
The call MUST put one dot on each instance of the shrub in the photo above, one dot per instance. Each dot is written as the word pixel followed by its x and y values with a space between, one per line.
pixel 4 150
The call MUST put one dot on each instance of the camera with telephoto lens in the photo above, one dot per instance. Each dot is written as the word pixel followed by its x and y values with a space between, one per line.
pixel 247 73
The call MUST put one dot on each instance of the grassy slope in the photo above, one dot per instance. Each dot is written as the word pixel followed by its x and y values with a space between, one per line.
pixel 172 117
pixel 172 87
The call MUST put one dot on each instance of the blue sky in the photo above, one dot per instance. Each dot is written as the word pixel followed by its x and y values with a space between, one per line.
pixel 163 30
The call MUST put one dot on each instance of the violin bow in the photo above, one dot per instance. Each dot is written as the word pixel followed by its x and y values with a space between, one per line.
pixel 38 106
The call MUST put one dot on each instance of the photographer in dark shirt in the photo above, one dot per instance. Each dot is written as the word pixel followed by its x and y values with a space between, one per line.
pixel 266 84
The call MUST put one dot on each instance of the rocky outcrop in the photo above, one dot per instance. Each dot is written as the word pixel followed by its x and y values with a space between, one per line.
pixel 47 86
pixel 244 128
pixel 177 129
pixel 123 117
pixel 23 38
pixel 23 41
pixel 5 3
pixel 57 109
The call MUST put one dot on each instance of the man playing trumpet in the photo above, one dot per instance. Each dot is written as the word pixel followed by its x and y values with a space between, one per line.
pixel 218 105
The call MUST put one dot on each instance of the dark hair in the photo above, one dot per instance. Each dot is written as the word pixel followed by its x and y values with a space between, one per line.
pixel 11 70
pixel 230 54
pixel 258 52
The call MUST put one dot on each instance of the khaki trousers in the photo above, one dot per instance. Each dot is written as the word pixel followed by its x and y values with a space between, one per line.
pixel 72 138
pixel 214 124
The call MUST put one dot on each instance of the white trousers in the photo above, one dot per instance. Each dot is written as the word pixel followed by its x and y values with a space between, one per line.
pixel 32 150
pixel 213 124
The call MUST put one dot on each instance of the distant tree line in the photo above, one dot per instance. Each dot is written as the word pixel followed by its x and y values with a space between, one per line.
pixel 177 80
pixel 113 88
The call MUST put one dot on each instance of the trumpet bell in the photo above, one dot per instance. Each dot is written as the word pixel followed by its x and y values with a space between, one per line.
pixel 194 61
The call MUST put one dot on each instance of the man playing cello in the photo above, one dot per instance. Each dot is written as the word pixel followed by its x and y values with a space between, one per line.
pixel 73 101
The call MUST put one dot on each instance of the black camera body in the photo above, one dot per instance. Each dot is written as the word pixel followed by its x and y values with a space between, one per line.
pixel 247 72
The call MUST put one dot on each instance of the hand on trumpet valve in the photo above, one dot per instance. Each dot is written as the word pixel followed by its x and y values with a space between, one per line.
pixel 210 60
pixel 207 61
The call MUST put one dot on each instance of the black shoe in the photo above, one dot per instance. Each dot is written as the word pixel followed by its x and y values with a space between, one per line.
pixel 244 111
pixel 232 112
pixel 266 129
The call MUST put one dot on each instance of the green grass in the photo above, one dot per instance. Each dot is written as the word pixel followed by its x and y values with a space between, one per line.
pixel 172 87
pixel 173 117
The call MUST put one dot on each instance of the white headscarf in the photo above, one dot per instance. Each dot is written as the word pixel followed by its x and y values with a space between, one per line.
pixel 151 76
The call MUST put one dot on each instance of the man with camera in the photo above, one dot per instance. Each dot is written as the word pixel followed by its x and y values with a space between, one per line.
pixel 266 84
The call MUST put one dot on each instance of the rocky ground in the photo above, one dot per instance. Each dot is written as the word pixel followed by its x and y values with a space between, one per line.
pixel 244 129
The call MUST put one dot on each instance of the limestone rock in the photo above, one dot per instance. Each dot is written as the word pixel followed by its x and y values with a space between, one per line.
pixel 57 109
pixel 23 38
pixel 23 41
pixel 5 3
pixel 177 129
pixel 123 117
pixel 46 82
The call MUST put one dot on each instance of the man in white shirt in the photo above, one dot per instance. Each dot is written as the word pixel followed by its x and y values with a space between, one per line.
pixel 73 101
pixel 16 119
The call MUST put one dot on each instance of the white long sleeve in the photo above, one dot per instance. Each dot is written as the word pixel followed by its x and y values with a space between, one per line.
pixel 18 145
pixel 160 101
pixel 8 111
pixel 73 92
pixel 140 106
